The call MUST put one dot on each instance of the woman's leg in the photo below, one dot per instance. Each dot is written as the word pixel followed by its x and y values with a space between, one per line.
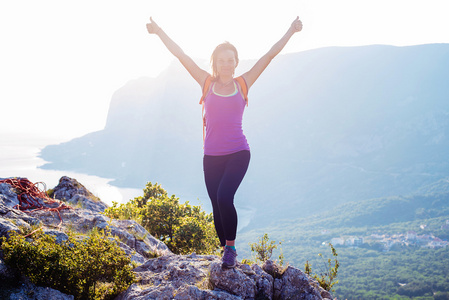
pixel 234 172
pixel 213 167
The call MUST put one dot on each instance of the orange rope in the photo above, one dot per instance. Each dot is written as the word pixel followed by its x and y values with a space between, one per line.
pixel 29 196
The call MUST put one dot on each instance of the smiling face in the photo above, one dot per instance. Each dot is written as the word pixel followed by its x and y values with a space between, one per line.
pixel 224 60
pixel 226 63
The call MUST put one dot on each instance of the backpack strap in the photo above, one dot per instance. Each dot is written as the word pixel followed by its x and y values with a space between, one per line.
pixel 206 89
pixel 243 88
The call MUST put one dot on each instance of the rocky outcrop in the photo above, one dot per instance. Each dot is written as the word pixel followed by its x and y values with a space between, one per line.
pixel 167 276
pixel 201 277
pixel 74 193
pixel 29 291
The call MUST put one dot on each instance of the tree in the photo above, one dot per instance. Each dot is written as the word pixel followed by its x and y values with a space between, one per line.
pixel 150 191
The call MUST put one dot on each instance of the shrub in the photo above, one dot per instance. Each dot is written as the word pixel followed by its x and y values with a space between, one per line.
pixel 184 228
pixel 328 274
pixel 92 267
pixel 263 250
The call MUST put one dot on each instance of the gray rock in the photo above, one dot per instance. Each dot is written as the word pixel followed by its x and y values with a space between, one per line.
pixel 6 226
pixel 129 232
pixel 264 283
pixel 233 281
pixel 296 285
pixel 140 239
pixel 75 194
pixel 8 199
pixel 88 203
pixel 20 218
pixel 171 276
pixel 201 277
pixel 7 196
pixel 30 291
pixel 175 270
pixel 135 256
pixel 189 292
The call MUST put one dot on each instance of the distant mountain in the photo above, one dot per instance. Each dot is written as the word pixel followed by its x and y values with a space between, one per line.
pixel 362 216
pixel 325 126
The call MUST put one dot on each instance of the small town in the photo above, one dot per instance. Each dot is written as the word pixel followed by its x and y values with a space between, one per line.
pixel 388 242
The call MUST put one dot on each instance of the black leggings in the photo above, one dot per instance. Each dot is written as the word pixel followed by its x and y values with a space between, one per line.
pixel 223 175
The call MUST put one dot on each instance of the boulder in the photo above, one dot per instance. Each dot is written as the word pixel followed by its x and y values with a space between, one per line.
pixel 234 281
pixel 296 285
pixel 74 193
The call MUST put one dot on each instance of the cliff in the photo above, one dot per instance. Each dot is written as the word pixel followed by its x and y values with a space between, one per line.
pixel 168 276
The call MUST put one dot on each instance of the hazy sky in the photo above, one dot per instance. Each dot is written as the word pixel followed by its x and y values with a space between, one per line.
pixel 61 61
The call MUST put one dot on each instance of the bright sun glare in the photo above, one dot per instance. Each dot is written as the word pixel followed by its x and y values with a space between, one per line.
pixel 64 60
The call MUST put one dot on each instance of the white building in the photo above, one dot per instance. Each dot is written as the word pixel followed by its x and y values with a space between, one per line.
pixel 338 241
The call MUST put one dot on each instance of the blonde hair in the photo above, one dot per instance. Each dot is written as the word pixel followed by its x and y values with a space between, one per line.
pixel 218 49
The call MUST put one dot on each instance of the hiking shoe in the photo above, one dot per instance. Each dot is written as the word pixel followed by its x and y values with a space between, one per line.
pixel 229 260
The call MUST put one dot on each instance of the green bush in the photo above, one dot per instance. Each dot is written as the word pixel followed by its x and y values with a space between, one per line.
pixel 91 267
pixel 263 250
pixel 184 228
pixel 328 274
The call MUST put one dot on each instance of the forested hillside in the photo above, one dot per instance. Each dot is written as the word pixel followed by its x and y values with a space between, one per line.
pixel 388 248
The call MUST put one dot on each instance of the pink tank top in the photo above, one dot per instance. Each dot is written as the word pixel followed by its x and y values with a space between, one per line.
pixel 224 132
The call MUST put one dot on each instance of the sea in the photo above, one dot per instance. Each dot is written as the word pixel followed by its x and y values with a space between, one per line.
pixel 19 157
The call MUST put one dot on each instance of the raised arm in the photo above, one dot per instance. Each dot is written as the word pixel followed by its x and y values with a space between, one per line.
pixel 252 75
pixel 196 72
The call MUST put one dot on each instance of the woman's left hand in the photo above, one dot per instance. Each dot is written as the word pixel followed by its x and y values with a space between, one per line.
pixel 296 25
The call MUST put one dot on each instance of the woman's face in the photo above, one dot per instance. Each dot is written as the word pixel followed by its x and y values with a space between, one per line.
pixel 226 63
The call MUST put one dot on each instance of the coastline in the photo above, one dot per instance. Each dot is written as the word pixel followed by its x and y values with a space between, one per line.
pixel 19 158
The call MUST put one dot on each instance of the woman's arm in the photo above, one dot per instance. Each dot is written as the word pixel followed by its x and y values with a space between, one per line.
pixel 252 75
pixel 196 72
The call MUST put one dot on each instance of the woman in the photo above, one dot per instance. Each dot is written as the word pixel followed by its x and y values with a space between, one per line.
pixel 226 151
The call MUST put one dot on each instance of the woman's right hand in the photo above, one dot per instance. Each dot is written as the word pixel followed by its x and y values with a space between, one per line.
pixel 296 25
pixel 152 27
